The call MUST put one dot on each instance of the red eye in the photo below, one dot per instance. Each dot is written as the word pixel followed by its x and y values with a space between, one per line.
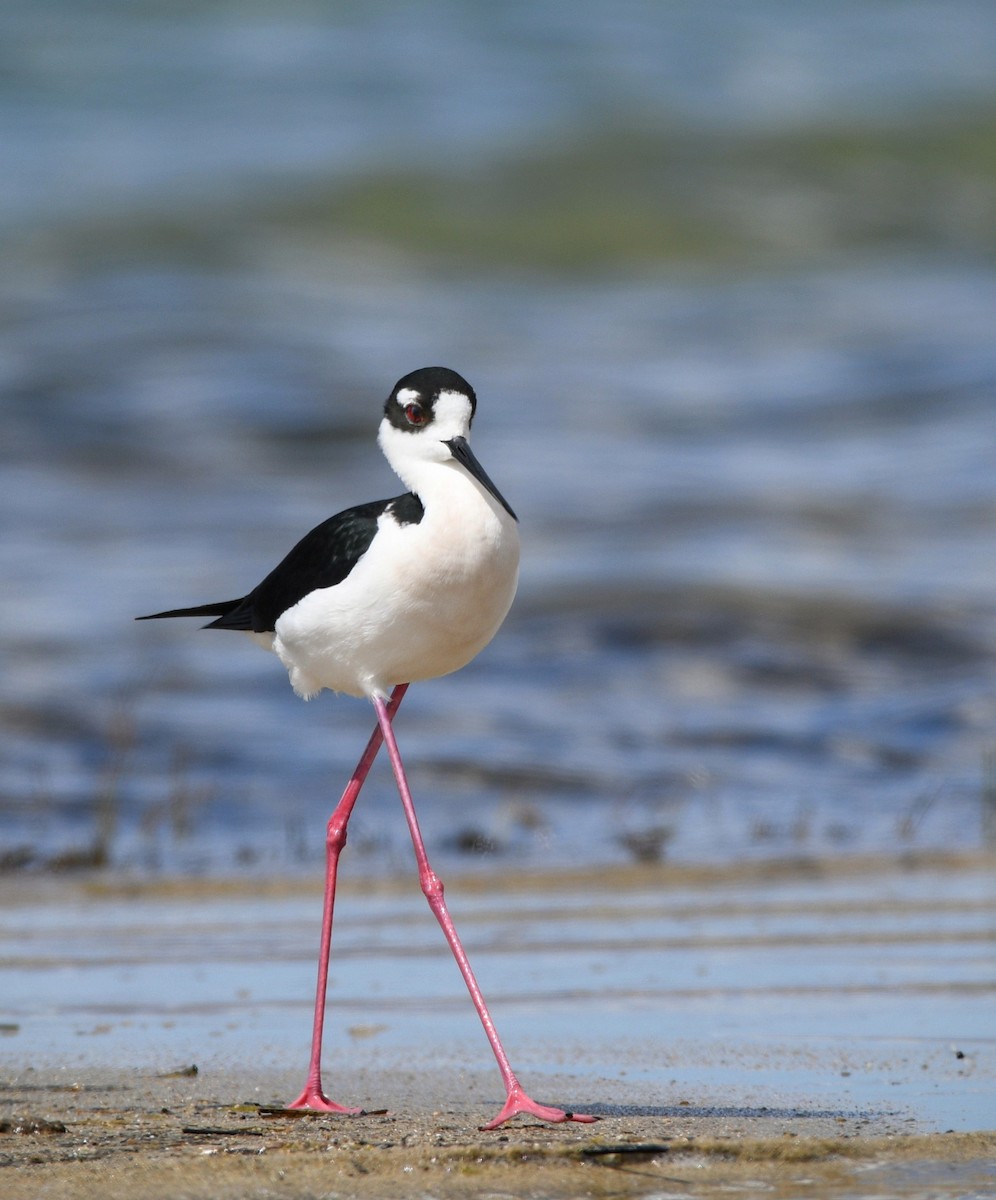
pixel 415 414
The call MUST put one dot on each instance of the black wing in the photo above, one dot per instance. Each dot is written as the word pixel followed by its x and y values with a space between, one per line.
pixel 321 559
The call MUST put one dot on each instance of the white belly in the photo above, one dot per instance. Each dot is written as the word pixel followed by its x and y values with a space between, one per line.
pixel 422 602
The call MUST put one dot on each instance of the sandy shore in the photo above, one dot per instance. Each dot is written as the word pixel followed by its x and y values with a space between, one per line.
pixel 801 1029
pixel 120 1136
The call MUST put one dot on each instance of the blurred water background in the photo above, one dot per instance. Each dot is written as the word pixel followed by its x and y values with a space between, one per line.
pixel 724 278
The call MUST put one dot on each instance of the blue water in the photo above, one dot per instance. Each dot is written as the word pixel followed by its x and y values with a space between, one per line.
pixel 726 290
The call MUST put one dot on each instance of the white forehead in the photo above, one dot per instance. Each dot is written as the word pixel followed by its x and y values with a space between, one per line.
pixel 407 395
pixel 452 411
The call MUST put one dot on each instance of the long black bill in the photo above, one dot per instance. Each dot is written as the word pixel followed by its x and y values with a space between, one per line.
pixel 461 451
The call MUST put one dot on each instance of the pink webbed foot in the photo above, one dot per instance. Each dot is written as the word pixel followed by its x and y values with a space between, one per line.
pixel 518 1102
pixel 315 1100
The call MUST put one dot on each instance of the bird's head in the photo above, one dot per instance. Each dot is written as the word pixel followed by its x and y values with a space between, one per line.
pixel 427 419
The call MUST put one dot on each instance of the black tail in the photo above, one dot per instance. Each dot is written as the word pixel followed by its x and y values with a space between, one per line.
pixel 219 609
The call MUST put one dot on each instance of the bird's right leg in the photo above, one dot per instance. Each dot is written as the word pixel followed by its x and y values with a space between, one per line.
pixel 516 1099
pixel 313 1097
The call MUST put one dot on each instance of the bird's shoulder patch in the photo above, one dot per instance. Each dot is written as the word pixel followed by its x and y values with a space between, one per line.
pixel 321 559
pixel 407 509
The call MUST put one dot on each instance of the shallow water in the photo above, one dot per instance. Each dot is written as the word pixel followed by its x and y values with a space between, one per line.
pixel 727 299
pixel 861 995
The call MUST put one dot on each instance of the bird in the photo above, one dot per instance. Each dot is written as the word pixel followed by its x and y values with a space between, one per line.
pixel 376 598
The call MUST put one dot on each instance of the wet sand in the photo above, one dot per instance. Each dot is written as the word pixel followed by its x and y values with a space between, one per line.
pixel 801 1028
pixel 122 1137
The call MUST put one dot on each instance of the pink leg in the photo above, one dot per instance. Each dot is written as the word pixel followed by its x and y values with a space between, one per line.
pixel 313 1096
pixel 516 1100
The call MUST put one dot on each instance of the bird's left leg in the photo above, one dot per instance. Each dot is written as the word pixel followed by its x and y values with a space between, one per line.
pixel 516 1100
pixel 313 1096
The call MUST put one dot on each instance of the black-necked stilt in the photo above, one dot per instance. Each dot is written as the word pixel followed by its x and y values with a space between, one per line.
pixel 380 596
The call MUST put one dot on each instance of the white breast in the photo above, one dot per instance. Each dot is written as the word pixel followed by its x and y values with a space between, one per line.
pixel 422 602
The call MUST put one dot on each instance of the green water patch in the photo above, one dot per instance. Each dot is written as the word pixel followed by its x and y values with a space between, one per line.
pixel 635 198
pixel 629 198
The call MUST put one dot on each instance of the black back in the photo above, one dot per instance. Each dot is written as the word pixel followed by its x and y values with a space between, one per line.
pixel 321 559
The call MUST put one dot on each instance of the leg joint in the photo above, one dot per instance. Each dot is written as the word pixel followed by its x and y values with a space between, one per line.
pixel 432 887
pixel 335 835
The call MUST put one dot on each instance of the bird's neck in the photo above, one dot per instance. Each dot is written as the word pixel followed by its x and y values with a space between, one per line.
pixel 447 487
pixel 442 484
